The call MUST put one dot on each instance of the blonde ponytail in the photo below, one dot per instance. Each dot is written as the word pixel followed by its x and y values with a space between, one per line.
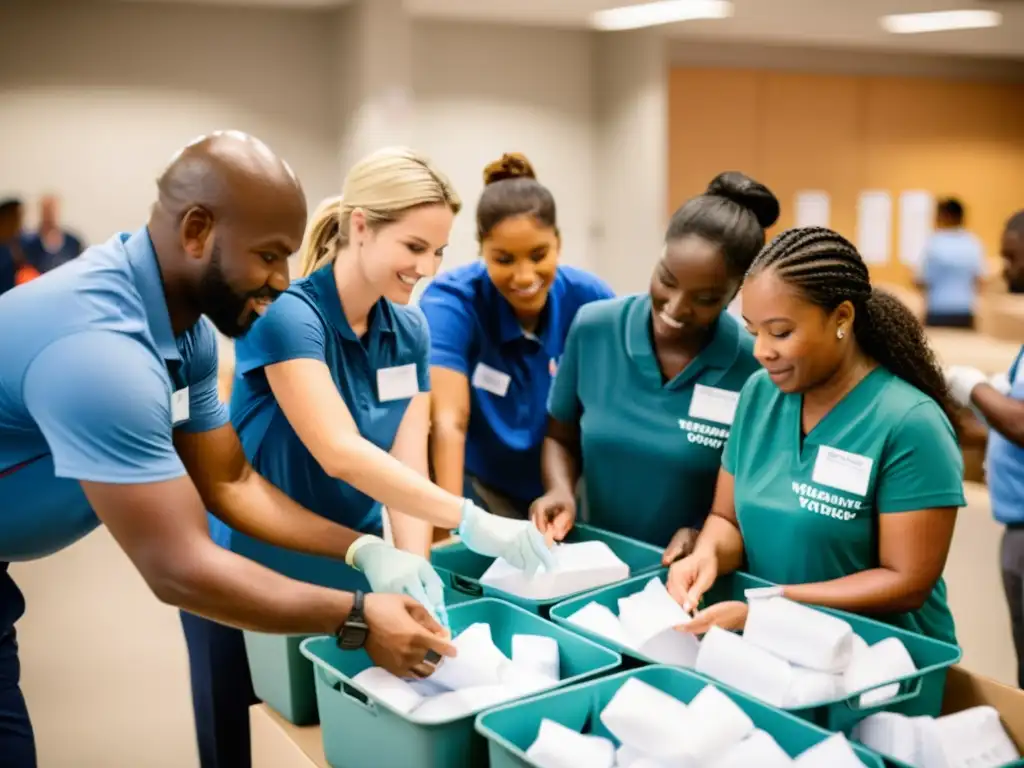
pixel 384 186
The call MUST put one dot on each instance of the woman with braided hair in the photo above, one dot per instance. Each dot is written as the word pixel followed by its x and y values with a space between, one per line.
pixel 842 477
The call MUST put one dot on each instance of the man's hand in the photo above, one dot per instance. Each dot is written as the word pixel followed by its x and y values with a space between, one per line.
pixel 730 615
pixel 961 380
pixel 554 514
pixel 681 545
pixel 691 577
pixel 400 635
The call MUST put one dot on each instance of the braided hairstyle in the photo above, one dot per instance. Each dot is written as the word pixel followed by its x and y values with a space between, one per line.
pixel 827 269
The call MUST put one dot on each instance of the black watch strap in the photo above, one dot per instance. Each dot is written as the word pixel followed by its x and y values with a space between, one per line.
pixel 352 633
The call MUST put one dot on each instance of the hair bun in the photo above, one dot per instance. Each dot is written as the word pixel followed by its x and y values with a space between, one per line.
pixel 512 165
pixel 744 191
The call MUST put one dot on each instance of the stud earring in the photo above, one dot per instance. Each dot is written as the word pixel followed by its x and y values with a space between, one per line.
pixel 840 333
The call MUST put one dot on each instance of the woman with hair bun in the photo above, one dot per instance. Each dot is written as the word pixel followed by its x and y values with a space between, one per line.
pixel 644 398
pixel 498 328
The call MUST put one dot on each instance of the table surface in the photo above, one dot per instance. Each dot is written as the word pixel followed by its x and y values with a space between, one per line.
pixel 956 347
pixel 276 743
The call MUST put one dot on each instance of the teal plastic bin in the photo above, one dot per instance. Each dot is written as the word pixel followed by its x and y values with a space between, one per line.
pixel 512 728
pixel 461 569
pixel 359 732
pixel 920 693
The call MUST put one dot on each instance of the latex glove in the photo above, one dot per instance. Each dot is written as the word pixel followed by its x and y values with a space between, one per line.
pixel 403 573
pixel 962 379
pixel 516 541
pixel 1000 382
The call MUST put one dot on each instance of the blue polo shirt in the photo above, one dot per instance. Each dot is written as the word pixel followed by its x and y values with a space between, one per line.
pixel 651 448
pixel 1005 462
pixel 953 260
pixel 474 331
pixel 86 388
pixel 376 375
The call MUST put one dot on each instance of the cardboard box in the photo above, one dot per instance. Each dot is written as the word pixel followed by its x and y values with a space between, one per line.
pixel 965 690
pixel 276 743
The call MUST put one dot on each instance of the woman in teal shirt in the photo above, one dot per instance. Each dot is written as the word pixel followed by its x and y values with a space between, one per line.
pixel 842 477
pixel 647 386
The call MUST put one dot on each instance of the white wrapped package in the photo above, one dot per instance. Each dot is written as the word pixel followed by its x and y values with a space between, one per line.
pixel 975 738
pixel 758 749
pixel 626 755
pixel 578 567
pixel 799 634
pixel 809 686
pixel 600 620
pixel 712 725
pixel 727 657
pixel 891 734
pixel 538 653
pixel 479 661
pixel 559 747
pixel 391 690
pixel 644 718
pixel 886 660
pixel 833 752
pixel 461 703
pixel 649 618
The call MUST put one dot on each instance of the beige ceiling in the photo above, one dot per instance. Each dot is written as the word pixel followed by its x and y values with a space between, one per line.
pixel 848 23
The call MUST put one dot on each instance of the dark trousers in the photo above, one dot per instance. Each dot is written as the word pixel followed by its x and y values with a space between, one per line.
pixel 221 692
pixel 17 743
pixel 955 320
pixel 1012 557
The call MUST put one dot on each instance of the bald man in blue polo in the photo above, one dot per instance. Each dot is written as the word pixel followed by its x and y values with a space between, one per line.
pixel 109 414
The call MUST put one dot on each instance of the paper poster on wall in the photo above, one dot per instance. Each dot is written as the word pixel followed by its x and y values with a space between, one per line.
pixel 917 215
pixel 813 208
pixel 874 226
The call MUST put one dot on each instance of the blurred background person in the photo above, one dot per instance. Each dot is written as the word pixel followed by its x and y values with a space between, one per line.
pixel 11 216
pixel 51 244
pixel 952 268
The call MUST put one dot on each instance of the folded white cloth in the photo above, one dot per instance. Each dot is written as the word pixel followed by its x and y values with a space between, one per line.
pixel 733 660
pixel 758 749
pixel 890 734
pixel 649 612
pixel 602 621
pixel 975 738
pixel 678 649
pixel 626 755
pixel 833 752
pixel 712 725
pixel 388 689
pixel 559 747
pixel 479 661
pixel 538 653
pixel 461 703
pixel 644 718
pixel 884 661
pixel 809 686
pixel 578 567
pixel 799 634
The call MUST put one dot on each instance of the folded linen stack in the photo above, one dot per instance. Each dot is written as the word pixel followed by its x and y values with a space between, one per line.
pixel 578 567
pixel 973 738
pixel 480 676
pixel 656 730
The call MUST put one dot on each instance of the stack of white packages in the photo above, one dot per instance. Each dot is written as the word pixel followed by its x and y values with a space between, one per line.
pixel 480 676
pixel 578 568
pixel 973 738
pixel 646 623
pixel 655 730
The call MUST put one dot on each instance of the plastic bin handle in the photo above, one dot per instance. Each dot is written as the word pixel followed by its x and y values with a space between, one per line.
pixel 466 586
pixel 913 690
pixel 348 691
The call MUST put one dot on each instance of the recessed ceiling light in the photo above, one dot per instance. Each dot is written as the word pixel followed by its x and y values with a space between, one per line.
pixel 663 12
pixel 939 21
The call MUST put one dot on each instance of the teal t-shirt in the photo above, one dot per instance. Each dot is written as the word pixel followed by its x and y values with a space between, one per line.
pixel 807 506
pixel 651 449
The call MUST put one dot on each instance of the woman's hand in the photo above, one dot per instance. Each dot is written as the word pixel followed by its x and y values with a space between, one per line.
pixel 691 577
pixel 682 544
pixel 730 615
pixel 554 514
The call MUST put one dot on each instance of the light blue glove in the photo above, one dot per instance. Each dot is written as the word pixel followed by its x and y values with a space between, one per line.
pixel 403 573
pixel 517 541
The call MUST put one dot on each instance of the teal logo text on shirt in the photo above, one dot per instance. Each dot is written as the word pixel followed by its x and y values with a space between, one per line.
pixel 703 434
pixel 825 503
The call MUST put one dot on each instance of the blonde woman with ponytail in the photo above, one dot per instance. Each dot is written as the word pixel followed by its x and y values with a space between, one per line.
pixel 331 397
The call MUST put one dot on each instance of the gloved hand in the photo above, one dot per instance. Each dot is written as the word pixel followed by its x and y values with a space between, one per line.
pixel 961 380
pixel 1000 382
pixel 517 541
pixel 403 573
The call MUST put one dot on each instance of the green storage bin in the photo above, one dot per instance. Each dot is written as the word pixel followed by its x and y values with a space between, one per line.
pixel 511 729
pixel 359 732
pixel 920 693
pixel 461 569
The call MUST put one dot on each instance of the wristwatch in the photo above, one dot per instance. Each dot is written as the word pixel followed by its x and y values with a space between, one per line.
pixel 352 633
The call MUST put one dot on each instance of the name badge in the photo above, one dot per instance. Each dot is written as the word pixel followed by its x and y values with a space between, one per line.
pixel 713 404
pixel 491 380
pixel 179 407
pixel 397 383
pixel 844 471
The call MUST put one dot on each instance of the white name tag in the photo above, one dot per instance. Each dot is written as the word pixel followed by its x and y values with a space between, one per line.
pixel 491 380
pixel 179 407
pixel 844 471
pixel 713 404
pixel 397 383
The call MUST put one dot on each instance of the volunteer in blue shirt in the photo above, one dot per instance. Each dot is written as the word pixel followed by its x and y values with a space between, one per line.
pixel 497 329
pixel 842 476
pixel 1000 400
pixel 951 270
pixel 331 402
pixel 647 388
pixel 51 245
pixel 109 414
